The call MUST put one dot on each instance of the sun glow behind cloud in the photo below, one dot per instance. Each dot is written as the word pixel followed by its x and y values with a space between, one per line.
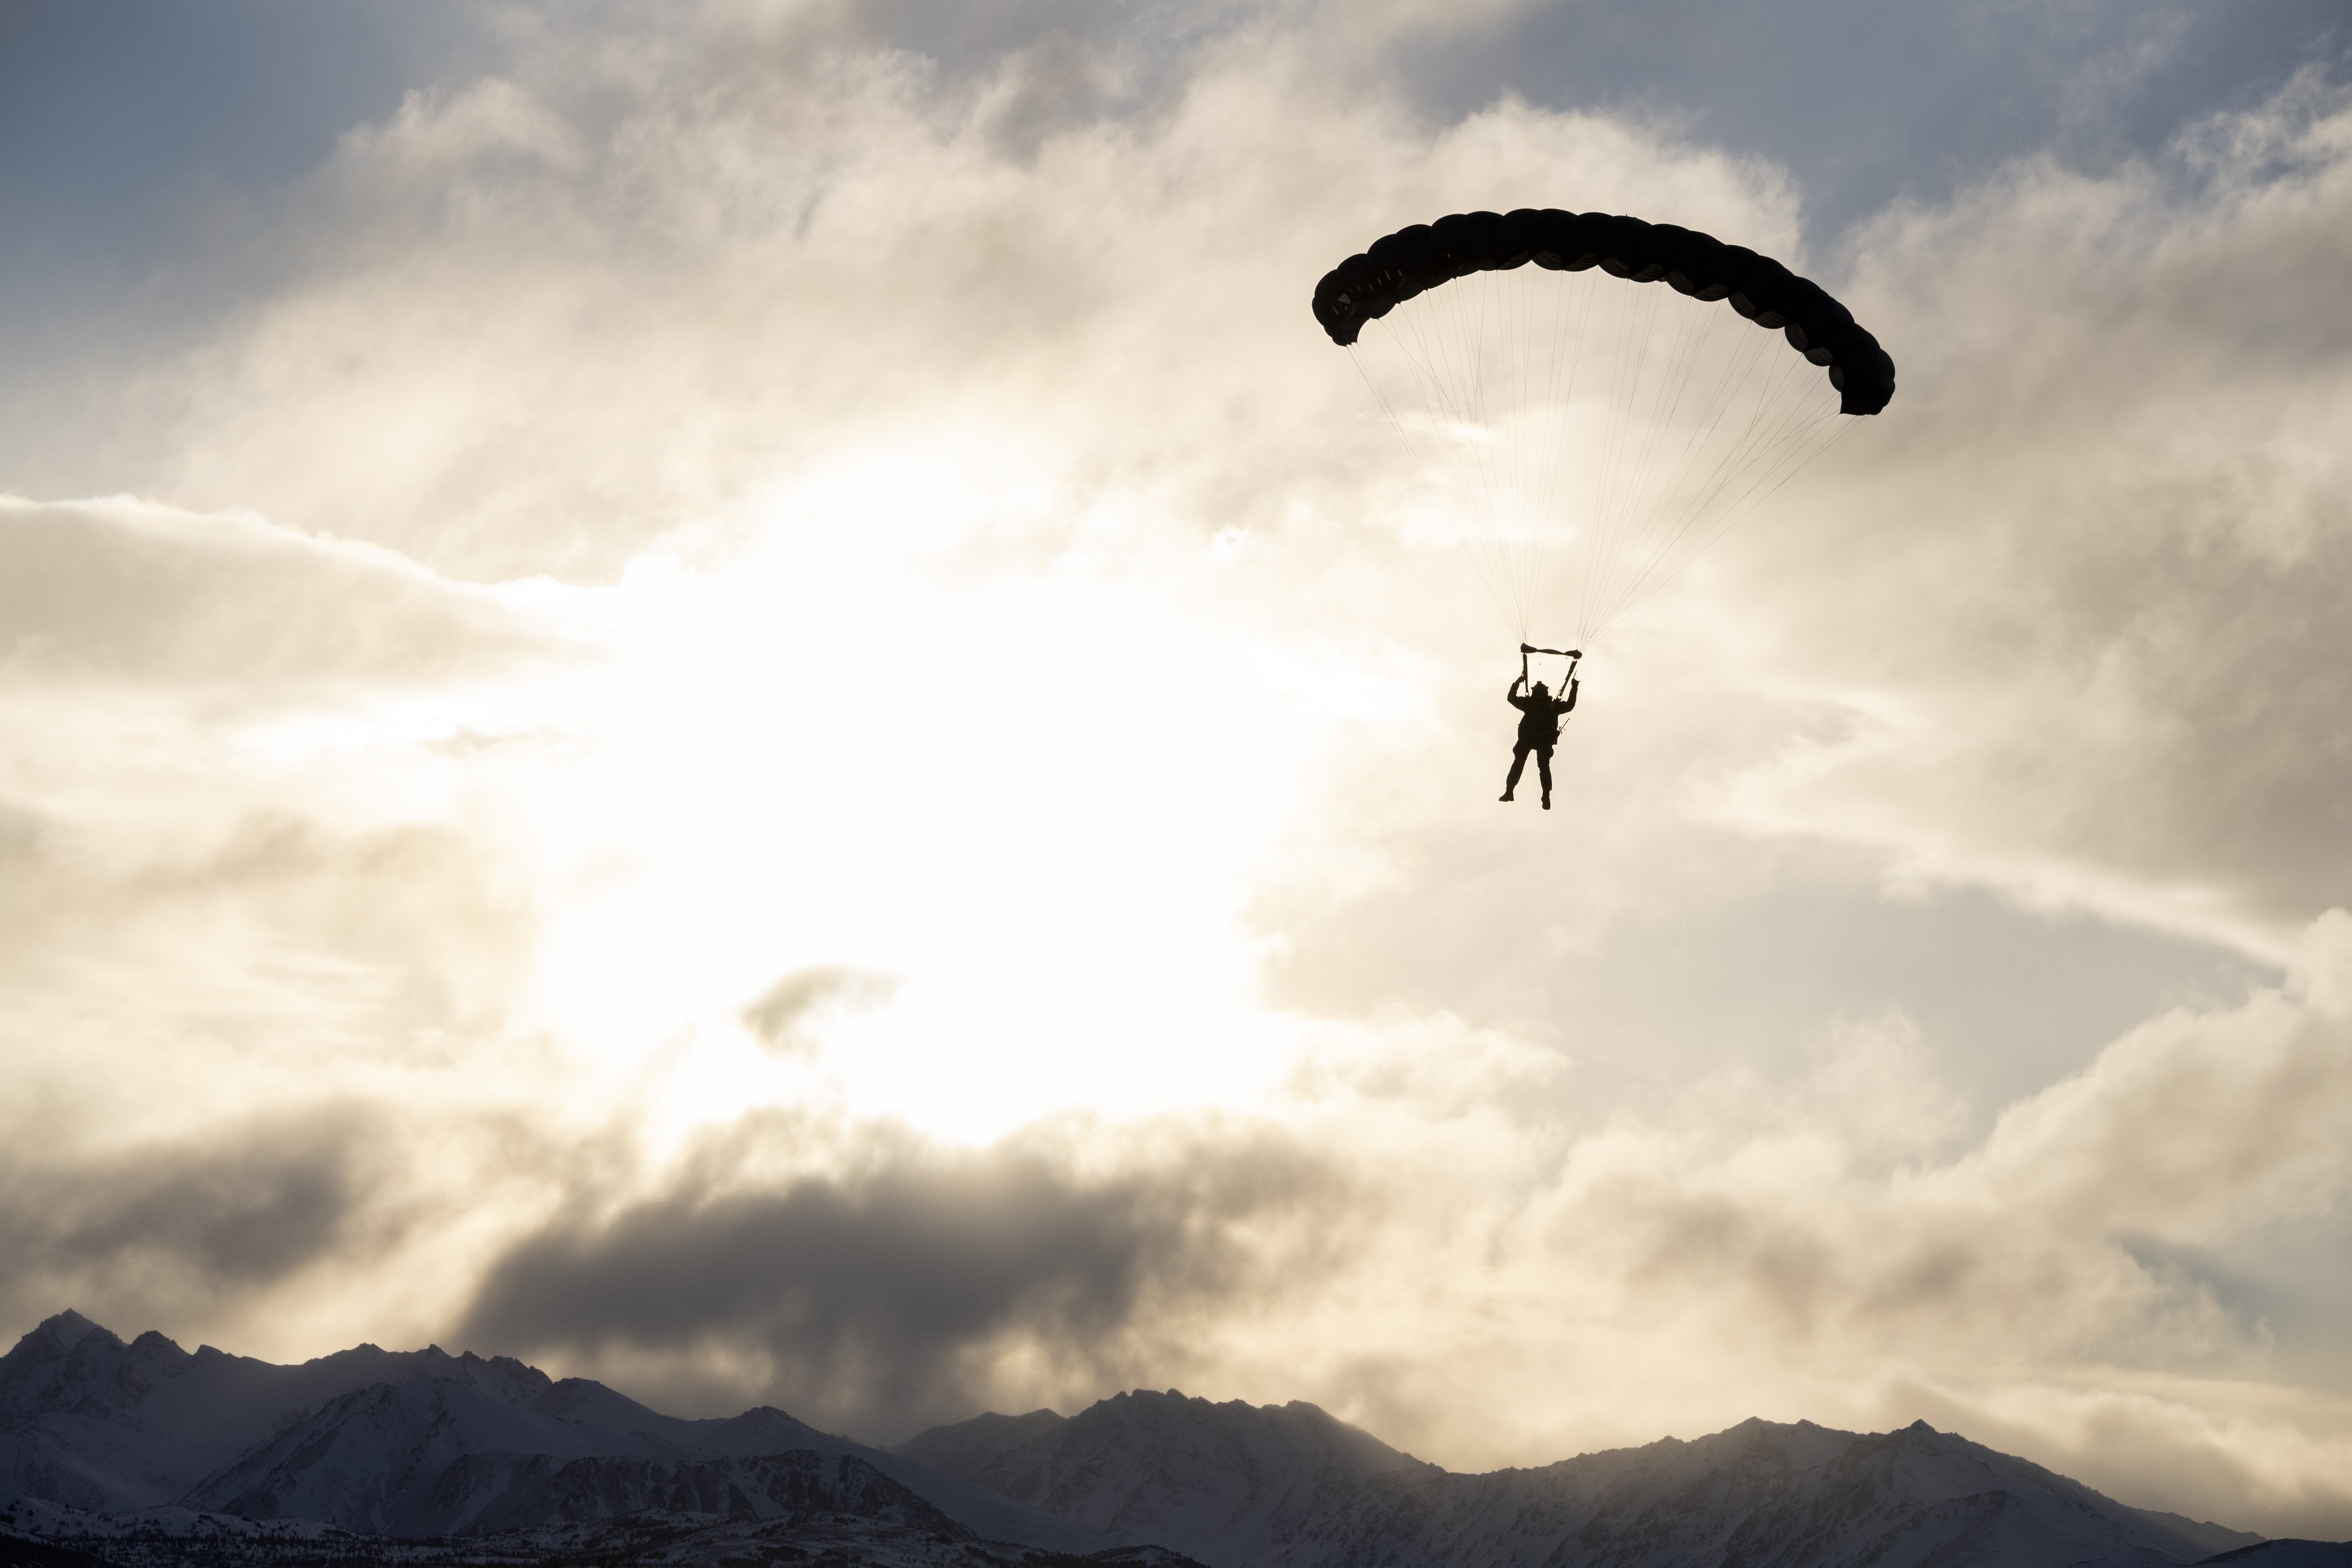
pixel 1037 800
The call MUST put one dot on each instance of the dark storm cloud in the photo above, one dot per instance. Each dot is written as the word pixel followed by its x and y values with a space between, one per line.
pixel 157 1229
pixel 879 1298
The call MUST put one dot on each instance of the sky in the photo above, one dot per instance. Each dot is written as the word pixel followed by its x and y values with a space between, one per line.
pixel 732 697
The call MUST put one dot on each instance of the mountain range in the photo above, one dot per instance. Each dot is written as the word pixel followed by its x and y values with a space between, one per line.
pixel 426 1457
pixel 1239 1487
pixel 422 1443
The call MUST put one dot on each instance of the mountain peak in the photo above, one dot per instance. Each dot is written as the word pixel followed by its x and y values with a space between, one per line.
pixel 53 1345
pixel 1153 1396
pixel 1221 1483
pixel 59 1333
pixel 67 1326
pixel 70 1362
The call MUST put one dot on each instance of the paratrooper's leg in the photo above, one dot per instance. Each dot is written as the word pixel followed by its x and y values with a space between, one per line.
pixel 1518 764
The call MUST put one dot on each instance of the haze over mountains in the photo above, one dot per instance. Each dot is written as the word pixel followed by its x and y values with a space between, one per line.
pixel 406 1445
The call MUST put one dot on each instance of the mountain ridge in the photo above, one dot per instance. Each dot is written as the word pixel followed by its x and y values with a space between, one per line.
pixel 1757 1493
pixel 363 1439
pixel 1218 1482
pixel 423 1445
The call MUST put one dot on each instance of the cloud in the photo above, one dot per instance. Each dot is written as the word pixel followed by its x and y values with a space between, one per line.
pixel 555 314
pixel 408 908
pixel 905 1289
pixel 1826 1247
pixel 162 1230
pixel 229 848
pixel 2113 480
pixel 1401 1248
pixel 126 590
pixel 787 1011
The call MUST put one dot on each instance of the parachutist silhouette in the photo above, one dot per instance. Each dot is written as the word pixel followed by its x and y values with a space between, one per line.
pixel 1539 717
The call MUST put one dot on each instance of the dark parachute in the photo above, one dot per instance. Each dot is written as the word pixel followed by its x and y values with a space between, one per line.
pixel 1413 261
pixel 1564 421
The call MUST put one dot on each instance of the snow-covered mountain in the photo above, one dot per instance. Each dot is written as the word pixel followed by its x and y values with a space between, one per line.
pixel 1228 1483
pixel 1243 1488
pixel 446 1457
pixel 87 1420
pixel 428 1443
pixel 411 1449
pixel 504 1490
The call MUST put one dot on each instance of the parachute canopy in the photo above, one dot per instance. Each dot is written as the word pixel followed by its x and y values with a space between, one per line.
pixel 1413 261
pixel 1570 418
